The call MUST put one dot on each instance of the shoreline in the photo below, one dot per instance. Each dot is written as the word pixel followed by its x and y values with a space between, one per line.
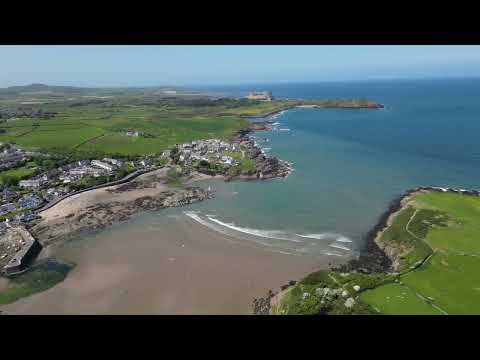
pixel 378 253
pixel 377 257
pixel 312 106
pixel 173 266
pixel 81 211
pixel 100 208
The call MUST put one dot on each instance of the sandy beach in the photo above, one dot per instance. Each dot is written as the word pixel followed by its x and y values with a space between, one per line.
pixel 96 209
pixel 164 264
pixel 75 203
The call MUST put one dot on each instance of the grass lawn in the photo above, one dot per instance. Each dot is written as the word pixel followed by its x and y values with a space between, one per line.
pixel 99 129
pixel 452 281
pixel 412 249
pixel 395 299
pixel 449 224
pixel 463 232
pixel 19 173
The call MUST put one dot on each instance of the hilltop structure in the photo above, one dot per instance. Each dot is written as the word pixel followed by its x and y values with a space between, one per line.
pixel 262 95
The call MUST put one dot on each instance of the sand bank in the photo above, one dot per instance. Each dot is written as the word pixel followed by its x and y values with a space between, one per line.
pixel 161 264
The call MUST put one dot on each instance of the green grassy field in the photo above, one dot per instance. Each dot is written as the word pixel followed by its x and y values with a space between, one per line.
pixel 437 238
pixel 450 227
pixel 17 174
pixel 96 120
pixel 395 299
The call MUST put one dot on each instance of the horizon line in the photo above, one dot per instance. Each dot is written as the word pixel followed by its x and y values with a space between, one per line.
pixel 198 86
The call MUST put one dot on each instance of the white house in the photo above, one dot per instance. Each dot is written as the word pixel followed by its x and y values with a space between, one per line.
pixel 113 161
pixel 102 165
pixel 227 160
pixel 31 183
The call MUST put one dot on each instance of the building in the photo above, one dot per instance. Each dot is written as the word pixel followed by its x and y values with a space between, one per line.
pixel 30 202
pixel 8 195
pixel 5 209
pixel 134 133
pixel 146 162
pixel 262 95
pixel 102 165
pixel 113 161
pixel 25 255
pixel 35 183
pixel 83 163
pixel 227 160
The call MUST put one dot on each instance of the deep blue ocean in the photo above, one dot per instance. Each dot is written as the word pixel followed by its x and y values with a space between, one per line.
pixel 349 164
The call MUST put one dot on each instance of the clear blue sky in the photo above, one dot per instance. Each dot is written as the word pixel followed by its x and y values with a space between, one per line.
pixel 212 65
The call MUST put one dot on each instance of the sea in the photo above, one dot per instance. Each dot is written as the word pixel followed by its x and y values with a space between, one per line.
pixel 349 164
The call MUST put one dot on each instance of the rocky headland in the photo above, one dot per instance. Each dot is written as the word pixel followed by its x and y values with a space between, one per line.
pixel 377 256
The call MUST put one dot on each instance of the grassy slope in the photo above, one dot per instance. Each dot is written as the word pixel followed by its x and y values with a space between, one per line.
pixel 444 233
pixel 450 277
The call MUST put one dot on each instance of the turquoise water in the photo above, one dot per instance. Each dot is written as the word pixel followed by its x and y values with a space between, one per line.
pixel 349 164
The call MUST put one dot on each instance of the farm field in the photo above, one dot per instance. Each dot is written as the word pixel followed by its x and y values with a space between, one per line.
pixel 395 299
pixel 103 129
pixel 449 278
pixel 97 120
pixel 436 237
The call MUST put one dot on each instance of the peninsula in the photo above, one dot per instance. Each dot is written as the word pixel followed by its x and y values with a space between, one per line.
pixel 421 258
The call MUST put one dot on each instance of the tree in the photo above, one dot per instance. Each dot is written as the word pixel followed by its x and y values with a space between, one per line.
pixel 204 163
pixel 9 180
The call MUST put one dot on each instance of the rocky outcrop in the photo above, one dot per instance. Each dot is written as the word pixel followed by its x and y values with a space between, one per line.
pixel 101 215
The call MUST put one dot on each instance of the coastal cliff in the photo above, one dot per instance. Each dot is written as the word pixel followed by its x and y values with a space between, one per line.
pixel 395 247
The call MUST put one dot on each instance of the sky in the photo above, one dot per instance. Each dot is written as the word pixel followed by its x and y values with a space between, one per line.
pixel 202 65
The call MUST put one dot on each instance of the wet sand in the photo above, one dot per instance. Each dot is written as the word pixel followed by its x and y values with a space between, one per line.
pixel 164 264
pixel 81 201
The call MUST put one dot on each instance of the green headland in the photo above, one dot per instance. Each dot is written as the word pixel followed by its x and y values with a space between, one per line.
pixel 434 245
pixel 133 121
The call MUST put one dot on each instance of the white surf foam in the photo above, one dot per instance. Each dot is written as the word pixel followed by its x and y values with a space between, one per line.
pixel 344 239
pixel 314 236
pixel 284 129
pixel 332 254
pixel 193 215
pixel 270 234
pixel 339 247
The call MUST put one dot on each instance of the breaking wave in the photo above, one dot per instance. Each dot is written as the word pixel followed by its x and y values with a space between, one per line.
pixel 340 247
pixel 344 239
pixel 292 243
pixel 314 236
pixel 270 234
pixel 326 236
pixel 332 254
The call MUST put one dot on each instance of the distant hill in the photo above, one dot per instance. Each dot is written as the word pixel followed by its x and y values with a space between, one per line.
pixel 42 88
